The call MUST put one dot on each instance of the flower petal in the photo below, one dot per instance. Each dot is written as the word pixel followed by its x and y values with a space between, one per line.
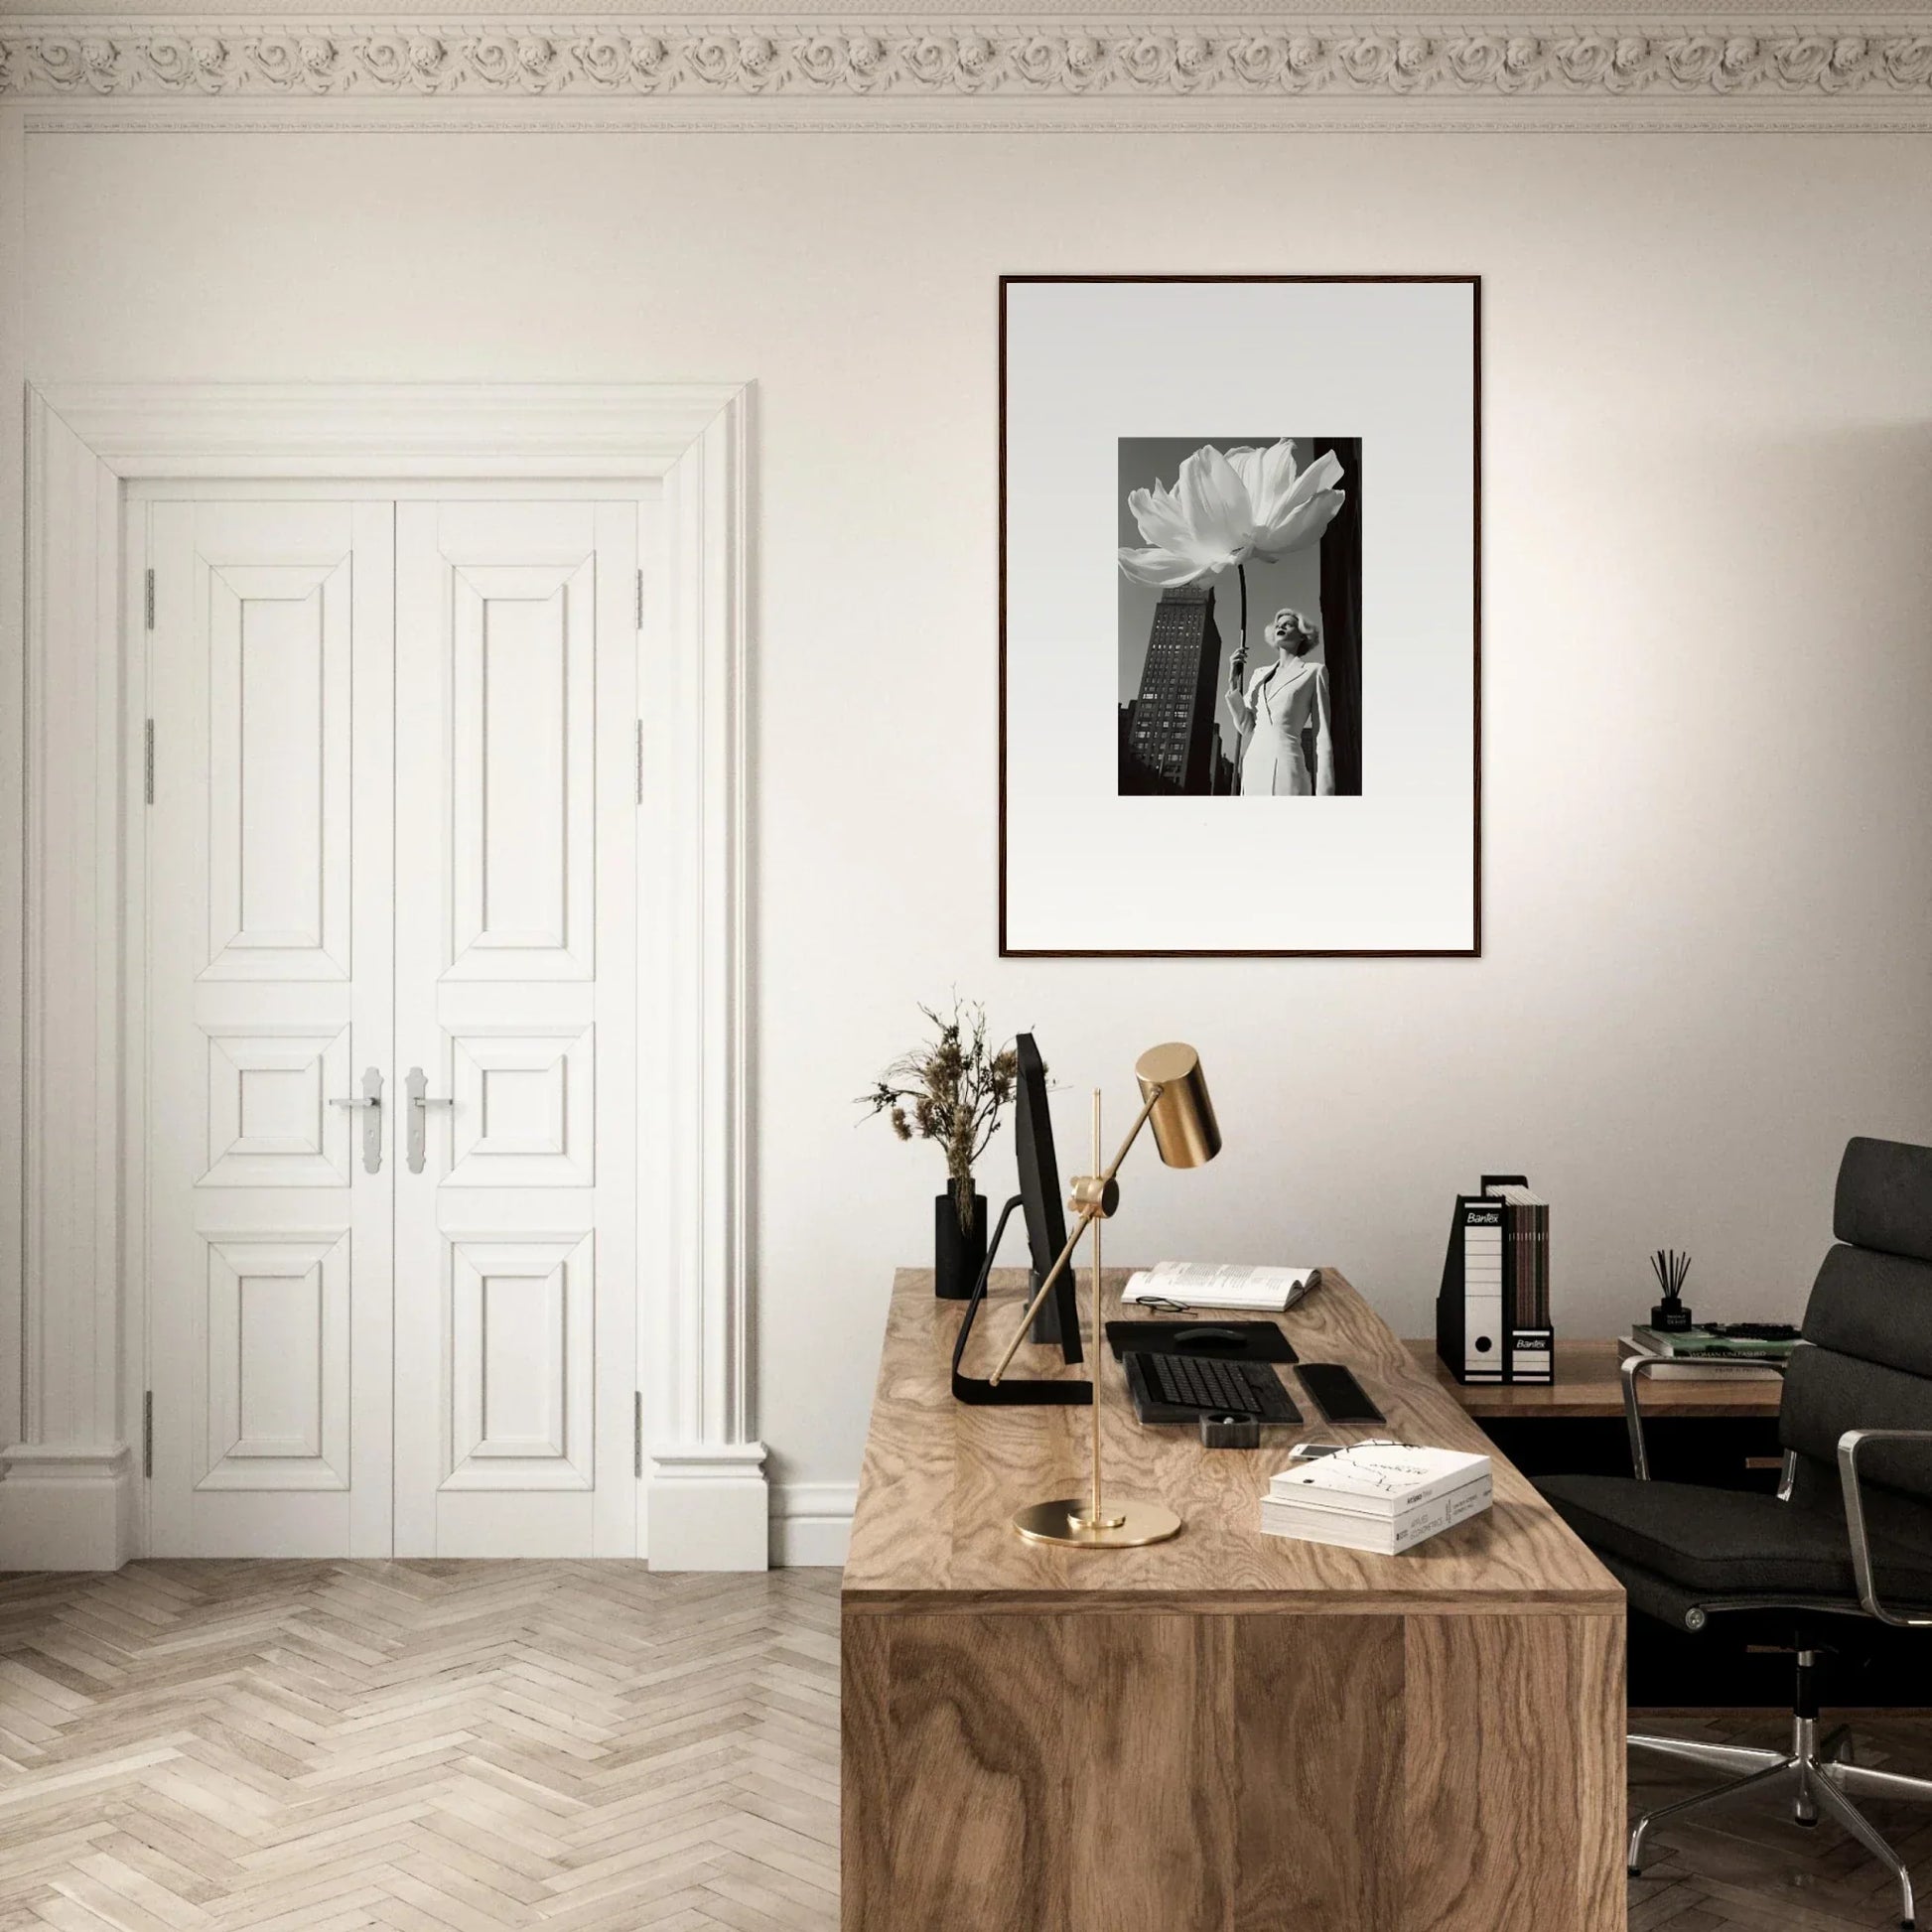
pixel 1214 501
pixel 1161 567
pixel 1158 517
pixel 1322 473
pixel 1299 528
pixel 1270 476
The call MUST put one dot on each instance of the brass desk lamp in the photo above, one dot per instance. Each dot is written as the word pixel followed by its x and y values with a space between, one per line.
pixel 1174 1101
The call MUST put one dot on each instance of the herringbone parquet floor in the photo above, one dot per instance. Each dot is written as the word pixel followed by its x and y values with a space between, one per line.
pixel 469 1747
pixel 430 1746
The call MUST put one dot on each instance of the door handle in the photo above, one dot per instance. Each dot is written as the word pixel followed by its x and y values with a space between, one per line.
pixel 420 1102
pixel 369 1099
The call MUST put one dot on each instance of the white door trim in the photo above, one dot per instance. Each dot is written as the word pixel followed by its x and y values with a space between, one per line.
pixel 70 1495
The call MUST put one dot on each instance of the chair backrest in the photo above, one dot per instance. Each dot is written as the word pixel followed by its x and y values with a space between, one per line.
pixel 1868 1325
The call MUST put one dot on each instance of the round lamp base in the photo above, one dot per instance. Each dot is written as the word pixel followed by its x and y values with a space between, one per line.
pixel 1129 1526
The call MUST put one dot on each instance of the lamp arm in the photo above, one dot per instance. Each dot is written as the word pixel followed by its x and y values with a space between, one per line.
pixel 1088 1215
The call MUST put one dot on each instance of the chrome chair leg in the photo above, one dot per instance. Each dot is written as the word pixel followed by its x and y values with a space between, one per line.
pixel 1825 1773
pixel 1874 1783
pixel 1804 1750
pixel 1834 1801
pixel 1720 1757
pixel 1785 1767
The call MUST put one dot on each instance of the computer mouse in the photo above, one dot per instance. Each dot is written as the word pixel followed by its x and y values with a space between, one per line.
pixel 1210 1339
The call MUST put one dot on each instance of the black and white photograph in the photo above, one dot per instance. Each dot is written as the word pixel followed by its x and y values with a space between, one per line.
pixel 1240 617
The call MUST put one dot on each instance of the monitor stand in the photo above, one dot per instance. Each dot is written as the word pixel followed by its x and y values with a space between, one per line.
pixel 1011 1391
pixel 1046 1323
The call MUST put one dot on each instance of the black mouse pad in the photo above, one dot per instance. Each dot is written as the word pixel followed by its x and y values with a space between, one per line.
pixel 1227 1341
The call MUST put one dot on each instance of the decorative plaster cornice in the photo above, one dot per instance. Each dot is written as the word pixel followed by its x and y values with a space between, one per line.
pixel 632 58
pixel 1882 68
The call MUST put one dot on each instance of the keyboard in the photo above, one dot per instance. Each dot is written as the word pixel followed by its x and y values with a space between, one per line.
pixel 1187 1386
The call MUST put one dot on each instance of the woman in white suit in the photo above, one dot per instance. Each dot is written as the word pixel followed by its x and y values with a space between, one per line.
pixel 1283 699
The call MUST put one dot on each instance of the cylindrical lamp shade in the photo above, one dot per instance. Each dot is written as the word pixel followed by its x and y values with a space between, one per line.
pixel 1184 1128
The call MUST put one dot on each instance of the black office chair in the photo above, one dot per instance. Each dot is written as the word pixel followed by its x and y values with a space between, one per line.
pixel 1848 1538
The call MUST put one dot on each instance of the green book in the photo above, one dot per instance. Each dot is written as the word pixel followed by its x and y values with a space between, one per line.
pixel 1701 1342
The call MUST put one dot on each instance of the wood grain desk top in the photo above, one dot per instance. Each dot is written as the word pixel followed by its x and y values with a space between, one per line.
pixel 941 1478
pixel 1587 1384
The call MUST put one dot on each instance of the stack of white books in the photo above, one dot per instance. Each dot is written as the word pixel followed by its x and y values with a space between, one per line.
pixel 1380 1496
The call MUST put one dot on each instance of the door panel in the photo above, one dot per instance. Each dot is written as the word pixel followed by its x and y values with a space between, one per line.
pixel 279 746
pixel 421 1344
pixel 269 944
pixel 516 975
pixel 521 791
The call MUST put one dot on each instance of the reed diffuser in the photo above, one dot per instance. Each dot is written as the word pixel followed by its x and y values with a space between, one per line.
pixel 1670 1266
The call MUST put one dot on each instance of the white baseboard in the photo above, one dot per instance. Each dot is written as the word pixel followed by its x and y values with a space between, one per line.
pixel 811 1523
pixel 64 1508
pixel 709 1508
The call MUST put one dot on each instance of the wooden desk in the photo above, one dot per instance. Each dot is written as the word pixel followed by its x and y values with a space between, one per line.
pixel 1227 1733
pixel 1587 1385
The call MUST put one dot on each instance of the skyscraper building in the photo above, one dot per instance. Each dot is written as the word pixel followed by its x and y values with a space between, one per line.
pixel 1171 739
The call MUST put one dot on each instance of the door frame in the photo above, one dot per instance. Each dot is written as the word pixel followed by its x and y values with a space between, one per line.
pixel 73 1496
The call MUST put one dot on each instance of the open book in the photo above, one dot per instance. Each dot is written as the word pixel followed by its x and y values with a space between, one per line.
pixel 1212 1284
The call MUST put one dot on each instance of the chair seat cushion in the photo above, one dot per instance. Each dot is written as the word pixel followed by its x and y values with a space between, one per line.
pixel 1730 1542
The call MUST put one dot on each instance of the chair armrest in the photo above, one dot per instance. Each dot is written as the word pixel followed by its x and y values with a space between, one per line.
pixel 1849 1446
pixel 1634 1367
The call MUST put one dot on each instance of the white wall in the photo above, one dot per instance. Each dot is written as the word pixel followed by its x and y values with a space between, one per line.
pixel 1708 452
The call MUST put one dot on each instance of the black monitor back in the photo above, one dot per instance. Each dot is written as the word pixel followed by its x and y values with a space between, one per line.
pixel 1040 1190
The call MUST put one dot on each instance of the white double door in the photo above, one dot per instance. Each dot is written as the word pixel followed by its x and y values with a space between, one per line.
pixel 391 859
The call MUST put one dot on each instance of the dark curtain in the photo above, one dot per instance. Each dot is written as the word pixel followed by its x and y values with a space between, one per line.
pixel 1341 613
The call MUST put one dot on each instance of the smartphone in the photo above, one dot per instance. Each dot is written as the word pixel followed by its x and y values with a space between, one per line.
pixel 1337 1394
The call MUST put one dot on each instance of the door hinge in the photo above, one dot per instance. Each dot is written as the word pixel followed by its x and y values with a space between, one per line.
pixel 640 760
pixel 148 599
pixel 147 1433
pixel 637 1433
pixel 147 762
pixel 640 599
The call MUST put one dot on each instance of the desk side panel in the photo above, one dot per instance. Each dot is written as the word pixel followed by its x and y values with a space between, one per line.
pixel 1514 1774
pixel 1134 1772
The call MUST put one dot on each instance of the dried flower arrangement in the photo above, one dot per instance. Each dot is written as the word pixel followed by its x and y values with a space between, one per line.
pixel 952 1090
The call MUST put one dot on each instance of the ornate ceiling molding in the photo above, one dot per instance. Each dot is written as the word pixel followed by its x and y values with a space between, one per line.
pixel 1826 72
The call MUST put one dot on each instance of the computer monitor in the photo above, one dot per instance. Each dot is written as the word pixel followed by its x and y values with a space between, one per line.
pixel 1040 1195
pixel 1038 1200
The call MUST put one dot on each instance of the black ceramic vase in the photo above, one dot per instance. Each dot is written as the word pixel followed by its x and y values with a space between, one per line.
pixel 958 1252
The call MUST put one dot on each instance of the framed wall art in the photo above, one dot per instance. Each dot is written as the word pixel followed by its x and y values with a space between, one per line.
pixel 1239 614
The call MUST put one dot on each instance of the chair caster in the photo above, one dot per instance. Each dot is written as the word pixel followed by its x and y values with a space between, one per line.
pixel 1810 1824
pixel 1633 1871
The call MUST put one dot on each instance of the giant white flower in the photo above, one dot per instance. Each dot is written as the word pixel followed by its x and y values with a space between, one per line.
pixel 1224 509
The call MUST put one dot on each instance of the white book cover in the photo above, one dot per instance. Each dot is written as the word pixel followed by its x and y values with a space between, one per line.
pixel 1383 1477
pixel 1316 1502
pixel 1217 1285
pixel 1385 1535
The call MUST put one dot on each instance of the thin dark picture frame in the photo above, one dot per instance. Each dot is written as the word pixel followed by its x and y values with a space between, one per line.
pixel 1471 951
